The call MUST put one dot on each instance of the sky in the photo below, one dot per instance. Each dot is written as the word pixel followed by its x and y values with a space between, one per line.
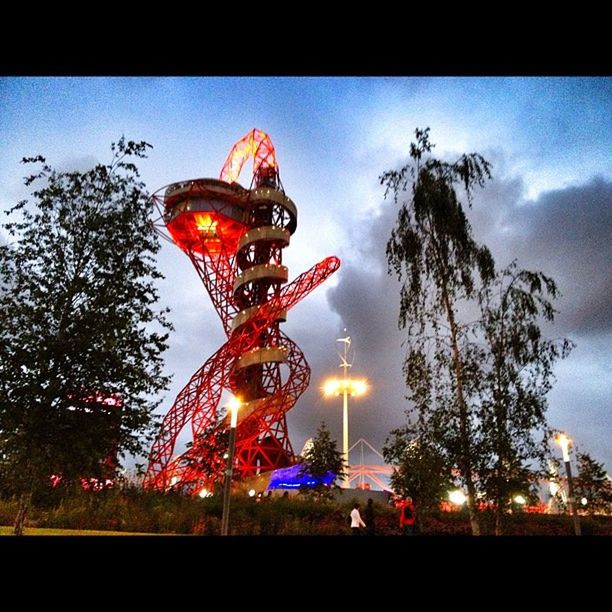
pixel 549 205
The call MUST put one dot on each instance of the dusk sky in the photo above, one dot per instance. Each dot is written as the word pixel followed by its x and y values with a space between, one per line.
pixel 549 205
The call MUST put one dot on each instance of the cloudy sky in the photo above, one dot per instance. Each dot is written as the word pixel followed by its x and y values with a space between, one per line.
pixel 549 205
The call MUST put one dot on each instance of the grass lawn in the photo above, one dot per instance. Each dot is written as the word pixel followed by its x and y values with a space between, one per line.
pixel 35 531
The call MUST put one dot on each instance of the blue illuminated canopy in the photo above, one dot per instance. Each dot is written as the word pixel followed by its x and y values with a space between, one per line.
pixel 293 478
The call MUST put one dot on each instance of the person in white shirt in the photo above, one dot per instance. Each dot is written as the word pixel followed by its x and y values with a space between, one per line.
pixel 356 521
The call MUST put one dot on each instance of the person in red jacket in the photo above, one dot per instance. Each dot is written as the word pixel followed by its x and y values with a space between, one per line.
pixel 407 516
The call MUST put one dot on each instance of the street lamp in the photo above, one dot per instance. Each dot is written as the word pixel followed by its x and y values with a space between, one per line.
pixel 457 497
pixel 564 441
pixel 345 386
pixel 554 488
pixel 233 406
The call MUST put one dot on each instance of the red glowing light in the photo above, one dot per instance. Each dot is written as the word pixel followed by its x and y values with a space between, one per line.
pixel 255 144
pixel 205 233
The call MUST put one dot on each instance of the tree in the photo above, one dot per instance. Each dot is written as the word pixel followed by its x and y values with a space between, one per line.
pixel 80 340
pixel 593 484
pixel 210 460
pixel 421 470
pixel 322 458
pixel 431 250
pixel 517 374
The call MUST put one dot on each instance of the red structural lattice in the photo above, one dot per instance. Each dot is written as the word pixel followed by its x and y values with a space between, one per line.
pixel 235 238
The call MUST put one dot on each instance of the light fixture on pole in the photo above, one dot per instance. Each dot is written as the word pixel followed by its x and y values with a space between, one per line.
pixel 457 497
pixel 345 386
pixel 233 407
pixel 564 442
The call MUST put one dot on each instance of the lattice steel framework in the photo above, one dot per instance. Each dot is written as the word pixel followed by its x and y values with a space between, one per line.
pixel 235 239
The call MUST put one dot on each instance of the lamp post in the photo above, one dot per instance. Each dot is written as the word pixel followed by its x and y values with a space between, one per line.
pixel 564 441
pixel 233 406
pixel 345 386
pixel 457 497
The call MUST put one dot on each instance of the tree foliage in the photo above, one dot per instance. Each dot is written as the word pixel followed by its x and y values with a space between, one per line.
pixel 210 460
pixel 477 366
pixel 431 250
pixel 516 376
pixel 421 469
pixel 78 326
pixel 321 458
pixel 593 484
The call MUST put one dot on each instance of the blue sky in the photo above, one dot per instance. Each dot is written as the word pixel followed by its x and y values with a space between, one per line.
pixel 549 204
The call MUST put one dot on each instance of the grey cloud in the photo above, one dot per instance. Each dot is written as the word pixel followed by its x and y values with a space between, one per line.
pixel 565 233
pixel 568 233
pixel 366 299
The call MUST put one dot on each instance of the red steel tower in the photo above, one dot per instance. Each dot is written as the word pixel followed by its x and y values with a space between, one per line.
pixel 235 239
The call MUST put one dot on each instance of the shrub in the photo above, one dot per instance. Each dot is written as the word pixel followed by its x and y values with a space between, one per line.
pixel 136 510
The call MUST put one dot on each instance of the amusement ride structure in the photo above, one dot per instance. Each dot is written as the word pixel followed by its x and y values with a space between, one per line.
pixel 235 239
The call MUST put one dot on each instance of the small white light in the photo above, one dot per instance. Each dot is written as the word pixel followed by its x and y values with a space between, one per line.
pixel 358 387
pixel 584 501
pixel 457 497
pixel 234 405
pixel 519 499
pixel 174 480
pixel 554 488
pixel 331 387
pixel 564 442
pixel 252 492
pixel 203 493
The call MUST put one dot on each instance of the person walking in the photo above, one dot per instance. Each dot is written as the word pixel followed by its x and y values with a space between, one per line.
pixel 356 521
pixel 407 516
pixel 368 515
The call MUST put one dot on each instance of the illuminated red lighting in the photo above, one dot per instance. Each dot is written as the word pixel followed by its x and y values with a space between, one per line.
pixel 207 234
pixel 255 144
pixel 235 238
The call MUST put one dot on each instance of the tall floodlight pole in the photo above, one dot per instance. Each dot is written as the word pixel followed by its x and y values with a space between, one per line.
pixel 233 407
pixel 345 365
pixel 564 441
pixel 345 386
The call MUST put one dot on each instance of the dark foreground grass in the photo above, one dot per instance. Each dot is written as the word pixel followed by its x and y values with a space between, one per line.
pixel 38 531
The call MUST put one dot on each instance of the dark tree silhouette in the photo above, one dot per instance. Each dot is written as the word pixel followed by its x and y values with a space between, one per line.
pixel 78 326
pixel 431 250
